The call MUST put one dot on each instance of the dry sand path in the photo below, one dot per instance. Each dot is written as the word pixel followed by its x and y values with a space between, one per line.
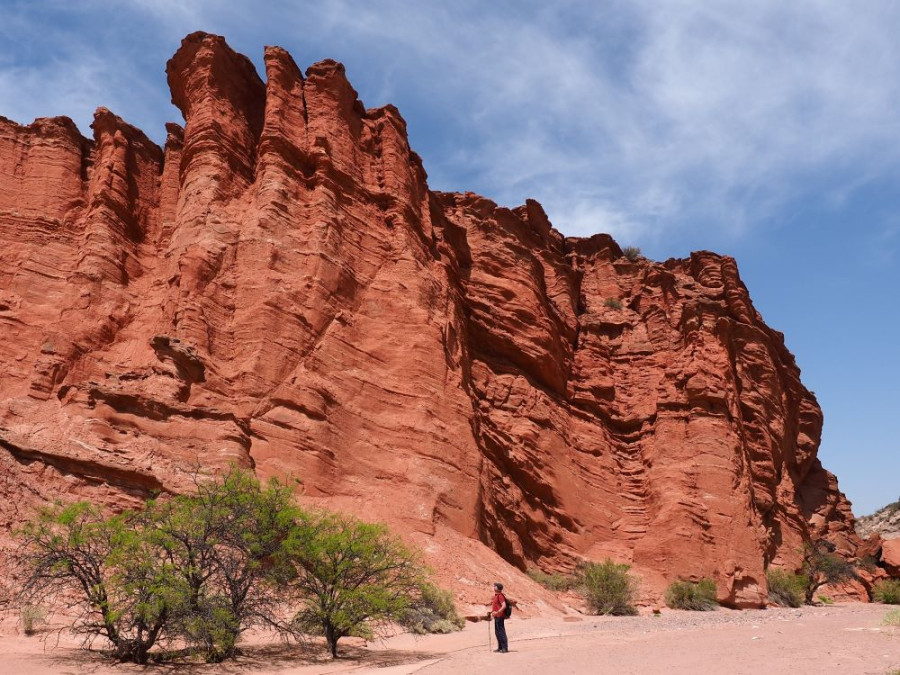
pixel 837 639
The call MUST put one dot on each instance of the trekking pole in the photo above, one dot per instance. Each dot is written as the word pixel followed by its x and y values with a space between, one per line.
pixel 489 632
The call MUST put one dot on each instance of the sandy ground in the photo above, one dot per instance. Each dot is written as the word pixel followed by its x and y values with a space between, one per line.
pixel 843 638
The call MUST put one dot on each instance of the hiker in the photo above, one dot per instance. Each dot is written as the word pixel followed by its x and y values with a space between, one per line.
pixel 499 613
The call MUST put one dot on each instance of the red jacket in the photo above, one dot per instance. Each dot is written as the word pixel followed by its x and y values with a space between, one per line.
pixel 499 605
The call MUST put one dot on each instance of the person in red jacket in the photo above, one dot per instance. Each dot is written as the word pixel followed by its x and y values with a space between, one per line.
pixel 498 612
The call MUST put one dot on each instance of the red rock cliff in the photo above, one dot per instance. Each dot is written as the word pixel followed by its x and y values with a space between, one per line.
pixel 278 287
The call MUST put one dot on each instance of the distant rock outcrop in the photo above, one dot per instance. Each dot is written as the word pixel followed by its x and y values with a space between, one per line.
pixel 884 522
pixel 278 288
pixel 882 530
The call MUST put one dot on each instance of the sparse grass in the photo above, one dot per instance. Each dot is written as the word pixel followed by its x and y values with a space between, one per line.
pixel 632 253
pixel 699 596
pixel 785 588
pixel 32 616
pixel 887 591
pixel 892 618
pixel 613 303
pixel 825 600
pixel 555 582
pixel 608 588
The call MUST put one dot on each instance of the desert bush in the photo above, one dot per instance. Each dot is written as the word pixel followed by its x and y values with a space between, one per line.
pixel 608 588
pixel 821 565
pixel 892 618
pixel 613 303
pixel 348 577
pixel 786 588
pixel 554 582
pixel 700 595
pixel 632 253
pixel 32 616
pixel 432 612
pixel 887 591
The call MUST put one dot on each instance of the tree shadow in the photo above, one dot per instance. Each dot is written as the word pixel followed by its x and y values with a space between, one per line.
pixel 249 659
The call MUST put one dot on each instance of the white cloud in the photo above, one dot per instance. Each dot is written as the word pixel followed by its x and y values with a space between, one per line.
pixel 74 86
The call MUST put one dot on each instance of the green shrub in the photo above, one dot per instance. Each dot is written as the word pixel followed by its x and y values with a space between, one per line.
pixel 608 588
pixel 700 595
pixel 612 303
pixel 887 591
pixel 632 253
pixel 31 616
pixel 825 600
pixel 554 582
pixel 432 612
pixel 785 588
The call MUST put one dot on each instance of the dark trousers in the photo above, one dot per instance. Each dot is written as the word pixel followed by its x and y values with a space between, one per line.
pixel 500 632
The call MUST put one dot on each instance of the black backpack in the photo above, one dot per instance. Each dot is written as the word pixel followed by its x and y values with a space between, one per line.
pixel 508 611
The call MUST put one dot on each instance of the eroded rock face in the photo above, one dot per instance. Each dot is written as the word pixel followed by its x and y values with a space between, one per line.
pixel 278 288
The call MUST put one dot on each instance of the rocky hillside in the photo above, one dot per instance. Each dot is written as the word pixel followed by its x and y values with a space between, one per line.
pixel 278 288
pixel 884 522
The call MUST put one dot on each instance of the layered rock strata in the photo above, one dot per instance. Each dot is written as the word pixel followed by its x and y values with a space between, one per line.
pixel 278 288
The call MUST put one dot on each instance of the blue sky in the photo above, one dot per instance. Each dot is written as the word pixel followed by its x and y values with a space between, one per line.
pixel 768 131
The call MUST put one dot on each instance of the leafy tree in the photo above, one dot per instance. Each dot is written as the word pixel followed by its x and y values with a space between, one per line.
pixel 821 565
pixel 125 591
pixel 221 543
pixel 348 576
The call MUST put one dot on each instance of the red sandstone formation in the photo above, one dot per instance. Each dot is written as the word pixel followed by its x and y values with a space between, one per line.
pixel 890 556
pixel 278 287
